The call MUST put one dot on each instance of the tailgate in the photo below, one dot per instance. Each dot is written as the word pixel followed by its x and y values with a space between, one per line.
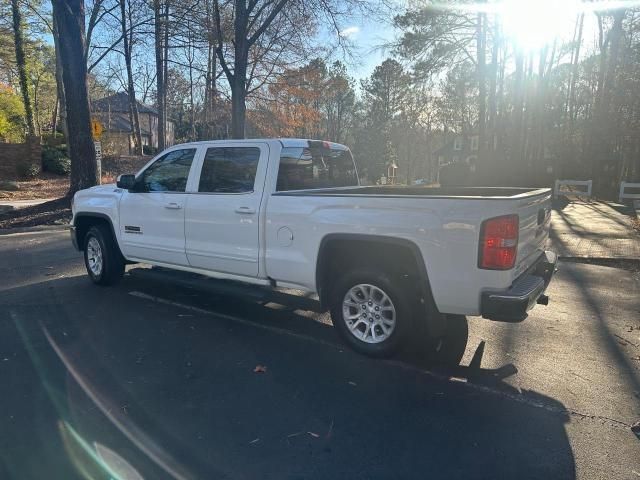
pixel 535 221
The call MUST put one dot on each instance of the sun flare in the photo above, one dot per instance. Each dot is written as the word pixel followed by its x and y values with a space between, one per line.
pixel 532 24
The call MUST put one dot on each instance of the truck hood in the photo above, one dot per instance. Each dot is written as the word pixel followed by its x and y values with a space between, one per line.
pixel 107 187
pixel 99 199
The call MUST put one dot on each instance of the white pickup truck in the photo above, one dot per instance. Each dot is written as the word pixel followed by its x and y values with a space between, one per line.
pixel 387 261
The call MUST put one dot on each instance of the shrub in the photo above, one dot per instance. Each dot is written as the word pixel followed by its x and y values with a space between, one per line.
pixel 26 170
pixel 55 160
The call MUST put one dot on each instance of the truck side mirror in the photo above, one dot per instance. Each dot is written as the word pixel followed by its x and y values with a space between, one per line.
pixel 126 182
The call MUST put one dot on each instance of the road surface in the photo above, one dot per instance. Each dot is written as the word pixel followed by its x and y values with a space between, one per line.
pixel 149 380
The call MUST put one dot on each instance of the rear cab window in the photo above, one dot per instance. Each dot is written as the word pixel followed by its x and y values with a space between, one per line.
pixel 320 165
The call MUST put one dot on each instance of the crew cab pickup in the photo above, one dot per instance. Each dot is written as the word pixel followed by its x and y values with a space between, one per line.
pixel 387 261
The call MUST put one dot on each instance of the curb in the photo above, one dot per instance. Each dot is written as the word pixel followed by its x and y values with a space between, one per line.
pixel 36 229
pixel 625 263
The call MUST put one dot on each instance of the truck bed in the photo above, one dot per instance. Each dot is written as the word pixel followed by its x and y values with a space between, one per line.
pixel 483 193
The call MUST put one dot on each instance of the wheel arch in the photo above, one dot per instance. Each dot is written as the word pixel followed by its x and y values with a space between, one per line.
pixel 357 247
pixel 83 221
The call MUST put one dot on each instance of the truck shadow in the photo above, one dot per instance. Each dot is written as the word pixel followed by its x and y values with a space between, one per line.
pixel 172 392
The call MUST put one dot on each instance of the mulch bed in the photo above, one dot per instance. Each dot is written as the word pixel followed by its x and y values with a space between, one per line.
pixel 55 212
pixel 46 185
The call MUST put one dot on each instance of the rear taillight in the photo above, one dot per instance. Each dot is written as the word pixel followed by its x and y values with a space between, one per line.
pixel 499 243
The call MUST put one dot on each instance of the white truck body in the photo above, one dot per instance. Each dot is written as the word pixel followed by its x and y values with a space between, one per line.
pixel 270 237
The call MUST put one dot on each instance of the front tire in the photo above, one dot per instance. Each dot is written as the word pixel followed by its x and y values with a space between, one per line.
pixel 371 312
pixel 102 258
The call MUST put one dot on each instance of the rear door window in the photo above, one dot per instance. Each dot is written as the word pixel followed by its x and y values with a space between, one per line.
pixel 229 170
pixel 303 168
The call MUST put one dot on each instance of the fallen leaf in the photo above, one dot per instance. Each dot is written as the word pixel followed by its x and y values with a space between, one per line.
pixel 260 369
pixel 314 435
pixel 256 440
pixel 458 379
pixel 353 383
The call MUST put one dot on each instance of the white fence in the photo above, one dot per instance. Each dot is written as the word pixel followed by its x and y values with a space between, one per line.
pixel 623 194
pixel 558 190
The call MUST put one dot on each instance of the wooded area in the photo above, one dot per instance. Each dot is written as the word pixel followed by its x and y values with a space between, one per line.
pixel 565 106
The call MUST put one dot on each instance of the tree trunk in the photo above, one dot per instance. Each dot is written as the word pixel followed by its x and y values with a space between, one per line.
pixel 602 125
pixel 212 91
pixel 54 116
pixel 238 107
pixel 190 59
pixel 134 118
pixel 482 86
pixel 62 104
pixel 69 16
pixel 160 79
pixel 493 80
pixel 210 75
pixel 574 75
pixel 165 70
pixel 21 63
pixel 239 84
pixel 518 103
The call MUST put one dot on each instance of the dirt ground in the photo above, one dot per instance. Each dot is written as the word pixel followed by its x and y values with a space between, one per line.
pixel 48 185
pixel 55 212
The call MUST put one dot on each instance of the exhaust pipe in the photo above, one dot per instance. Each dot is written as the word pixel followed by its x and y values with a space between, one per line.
pixel 543 299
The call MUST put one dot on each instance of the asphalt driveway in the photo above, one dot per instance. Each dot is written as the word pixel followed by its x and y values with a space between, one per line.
pixel 151 380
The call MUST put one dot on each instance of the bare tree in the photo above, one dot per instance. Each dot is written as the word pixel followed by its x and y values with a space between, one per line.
pixel 69 18
pixel 21 62
pixel 160 26
pixel 481 41
pixel 259 23
pixel 127 39
pixel 62 103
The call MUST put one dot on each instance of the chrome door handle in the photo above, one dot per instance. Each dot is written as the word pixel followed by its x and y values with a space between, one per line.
pixel 173 206
pixel 245 210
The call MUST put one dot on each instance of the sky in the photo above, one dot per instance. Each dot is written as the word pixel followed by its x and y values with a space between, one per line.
pixel 368 36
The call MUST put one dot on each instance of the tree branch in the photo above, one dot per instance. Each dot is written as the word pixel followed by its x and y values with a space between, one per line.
pixel 219 49
pixel 267 22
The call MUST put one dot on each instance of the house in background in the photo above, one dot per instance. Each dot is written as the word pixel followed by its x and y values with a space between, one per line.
pixel 457 159
pixel 117 136
pixel 459 148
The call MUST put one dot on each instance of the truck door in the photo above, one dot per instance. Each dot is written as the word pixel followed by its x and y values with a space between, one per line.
pixel 222 220
pixel 152 213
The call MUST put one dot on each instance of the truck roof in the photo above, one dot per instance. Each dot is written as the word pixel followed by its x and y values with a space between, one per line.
pixel 285 142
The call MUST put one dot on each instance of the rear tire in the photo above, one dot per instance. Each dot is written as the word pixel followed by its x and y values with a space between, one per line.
pixel 371 312
pixel 102 258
